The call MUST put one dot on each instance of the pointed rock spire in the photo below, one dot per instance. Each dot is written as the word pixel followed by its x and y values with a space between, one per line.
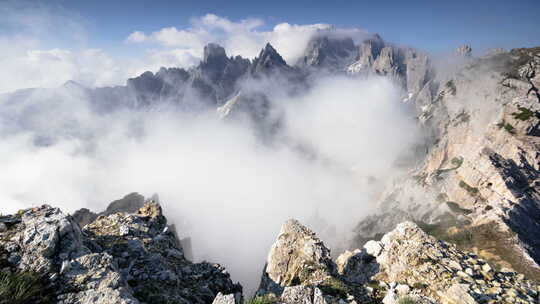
pixel 267 60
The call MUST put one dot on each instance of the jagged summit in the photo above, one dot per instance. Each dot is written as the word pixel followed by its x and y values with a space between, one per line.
pixel 268 60
pixel 328 52
pixel 214 53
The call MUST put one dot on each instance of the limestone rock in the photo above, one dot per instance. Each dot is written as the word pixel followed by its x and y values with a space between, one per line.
pixel 228 299
pixel 118 258
pixel 478 176
pixel 430 270
pixel 298 256
pixel 299 269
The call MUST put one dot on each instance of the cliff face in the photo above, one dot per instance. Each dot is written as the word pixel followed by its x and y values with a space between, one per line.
pixel 479 179
pixel 117 258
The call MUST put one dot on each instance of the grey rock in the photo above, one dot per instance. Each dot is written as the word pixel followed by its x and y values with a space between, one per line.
pixel 129 249
pixel 464 50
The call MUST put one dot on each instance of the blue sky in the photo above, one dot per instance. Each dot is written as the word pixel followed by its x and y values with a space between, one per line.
pixel 427 24
pixel 44 43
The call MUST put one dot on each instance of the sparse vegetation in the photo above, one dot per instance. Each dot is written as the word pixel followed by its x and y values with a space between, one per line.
pixel 508 127
pixel 457 209
pixel 457 161
pixel 486 240
pixel 334 287
pixel 523 114
pixel 22 288
pixel 406 300
pixel 441 197
pixel 264 299
pixel 462 117
pixel 473 191
pixel 451 87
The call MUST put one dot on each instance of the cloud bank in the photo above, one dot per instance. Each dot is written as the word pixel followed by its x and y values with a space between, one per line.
pixel 223 187
pixel 217 180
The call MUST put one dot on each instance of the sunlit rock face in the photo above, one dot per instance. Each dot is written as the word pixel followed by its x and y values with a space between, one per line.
pixel 478 179
pixel 117 258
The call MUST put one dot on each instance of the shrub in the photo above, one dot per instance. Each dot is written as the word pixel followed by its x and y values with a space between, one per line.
pixel 509 128
pixel 523 114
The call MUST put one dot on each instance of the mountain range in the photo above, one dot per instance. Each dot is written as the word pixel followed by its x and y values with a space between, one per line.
pixel 474 184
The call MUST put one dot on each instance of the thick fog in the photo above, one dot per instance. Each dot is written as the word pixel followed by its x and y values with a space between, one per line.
pixel 219 181
pixel 223 186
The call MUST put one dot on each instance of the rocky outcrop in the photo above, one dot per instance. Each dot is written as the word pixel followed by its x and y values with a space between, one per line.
pixel 406 266
pixel 118 258
pixel 299 269
pixel 297 256
pixel 129 204
pixel 409 68
pixel 411 263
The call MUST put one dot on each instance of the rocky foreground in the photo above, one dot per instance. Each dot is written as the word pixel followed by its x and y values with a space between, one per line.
pixel 122 257
pixel 117 258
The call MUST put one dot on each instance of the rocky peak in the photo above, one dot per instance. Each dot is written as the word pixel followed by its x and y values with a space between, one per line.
pixel 464 51
pixel 370 48
pixel 297 248
pixel 299 269
pixel 268 60
pixel 130 203
pixel 214 54
pixel 327 52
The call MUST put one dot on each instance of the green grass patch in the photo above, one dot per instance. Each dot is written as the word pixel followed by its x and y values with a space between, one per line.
pixel 334 287
pixel 264 299
pixel 406 300
pixel 22 288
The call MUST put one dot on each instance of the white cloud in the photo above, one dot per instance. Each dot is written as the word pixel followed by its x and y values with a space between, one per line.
pixel 216 180
pixel 136 37
pixel 44 45
pixel 51 68
pixel 245 37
